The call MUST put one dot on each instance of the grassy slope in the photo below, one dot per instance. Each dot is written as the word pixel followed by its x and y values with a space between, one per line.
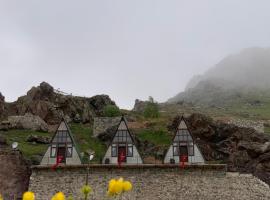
pixel 82 134
pixel 20 136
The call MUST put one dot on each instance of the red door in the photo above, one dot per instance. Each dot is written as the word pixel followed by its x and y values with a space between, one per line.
pixel 61 153
pixel 183 154
pixel 122 154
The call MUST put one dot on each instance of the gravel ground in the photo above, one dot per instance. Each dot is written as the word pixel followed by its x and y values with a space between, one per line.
pixel 153 186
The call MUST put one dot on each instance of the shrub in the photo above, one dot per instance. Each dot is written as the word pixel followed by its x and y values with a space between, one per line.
pixel 111 111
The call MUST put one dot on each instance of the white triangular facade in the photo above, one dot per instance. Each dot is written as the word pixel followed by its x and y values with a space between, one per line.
pixel 122 149
pixel 62 147
pixel 183 146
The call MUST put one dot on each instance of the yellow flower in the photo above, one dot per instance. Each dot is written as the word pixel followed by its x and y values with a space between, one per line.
pixel 1 198
pixel 58 196
pixel 28 196
pixel 115 187
pixel 86 189
pixel 119 186
pixel 127 186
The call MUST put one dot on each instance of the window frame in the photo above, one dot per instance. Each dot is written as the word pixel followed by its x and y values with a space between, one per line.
pixel 129 146
pixel 177 150
pixel 67 152
pixel 114 146
pixel 53 146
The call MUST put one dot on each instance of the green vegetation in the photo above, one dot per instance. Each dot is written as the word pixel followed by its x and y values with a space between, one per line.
pixel 27 148
pixel 157 137
pixel 82 134
pixel 84 140
pixel 111 111
pixel 151 109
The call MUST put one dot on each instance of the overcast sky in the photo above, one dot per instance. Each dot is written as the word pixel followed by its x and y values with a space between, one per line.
pixel 127 49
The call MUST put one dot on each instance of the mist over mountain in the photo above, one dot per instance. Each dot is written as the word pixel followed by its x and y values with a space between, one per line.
pixel 245 73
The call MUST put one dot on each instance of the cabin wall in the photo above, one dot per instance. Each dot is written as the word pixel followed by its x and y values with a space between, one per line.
pixel 47 160
pixel 136 159
pixel 74 160
pixel 197 158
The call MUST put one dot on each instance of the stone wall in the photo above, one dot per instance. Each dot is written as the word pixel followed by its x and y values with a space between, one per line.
pixel 150 182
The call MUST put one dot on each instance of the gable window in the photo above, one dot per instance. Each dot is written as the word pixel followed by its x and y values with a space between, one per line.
pixel 130 150
pixel 114 151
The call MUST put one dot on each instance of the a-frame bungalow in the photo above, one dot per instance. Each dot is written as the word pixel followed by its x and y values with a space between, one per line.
pixel 183 147
pixel 62 149
pixel 122 148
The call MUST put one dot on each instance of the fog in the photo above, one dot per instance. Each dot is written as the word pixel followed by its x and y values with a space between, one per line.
pixel 126 49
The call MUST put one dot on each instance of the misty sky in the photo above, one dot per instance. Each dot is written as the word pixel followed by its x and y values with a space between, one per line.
pixel 127 49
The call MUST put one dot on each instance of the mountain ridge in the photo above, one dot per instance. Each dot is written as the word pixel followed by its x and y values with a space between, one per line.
pixel 235 75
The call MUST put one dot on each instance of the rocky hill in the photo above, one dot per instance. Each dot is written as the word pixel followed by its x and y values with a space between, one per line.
pixel 243 77
pixel 242 149
pixel 50 105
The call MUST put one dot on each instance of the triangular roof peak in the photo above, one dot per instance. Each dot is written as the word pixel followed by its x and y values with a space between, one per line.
pixel 123 124
pixel 182 124
pixel 63 126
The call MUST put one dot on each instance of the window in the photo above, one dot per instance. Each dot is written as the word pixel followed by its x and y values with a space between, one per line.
pixel 191 149
pixel 69 150
pixel 114 150
pixel 130 150
pixel 122 136
pixel 53 151
pixel 175 150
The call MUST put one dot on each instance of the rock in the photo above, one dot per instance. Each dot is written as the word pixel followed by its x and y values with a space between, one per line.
pixel 28 121
pixel 238 160
pixel 5 125
pixel 15 171
pixel 107 135
pixel 51 105
pixel 104 127
pixel 3 109
pixel 253 148
pixel 38 139
pixel 3 141
pixel 243 149
pixel 36 159
pixel 99 102
pixel 77 118
pixel 139 106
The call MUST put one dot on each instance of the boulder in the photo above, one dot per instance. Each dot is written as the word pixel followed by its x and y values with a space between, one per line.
pixel 3 141
pixel 99 102
pixel 28 121
pixel 16 171
pixel 50 105
pixel 38 139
